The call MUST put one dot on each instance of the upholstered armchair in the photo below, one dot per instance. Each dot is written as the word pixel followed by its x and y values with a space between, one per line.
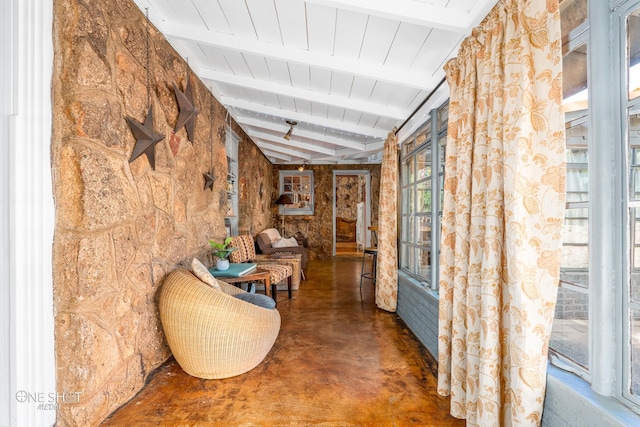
pixel 271 243
pixel 211 333
pixel 246 252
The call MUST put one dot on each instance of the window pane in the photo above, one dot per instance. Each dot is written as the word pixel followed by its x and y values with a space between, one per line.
pixel 443 118
pixel 409 205
pixel 408 147
pixel 574 79
pixel 424 164
pixel 635 352
pixel 424 196
pixel 570 333
pixel 424 135
pixel 424 263
pixel 442 143
pixel 407 171
pixel 423 237
pixel 634 274
pixel 408 258
pixel 574 264
pixel 634 154
pixel 633 57
pixel 407 227
pixel 572 14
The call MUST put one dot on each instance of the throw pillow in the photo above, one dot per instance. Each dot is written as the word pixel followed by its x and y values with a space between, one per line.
pixel 257 299
pixel 203 274
pixel 285 242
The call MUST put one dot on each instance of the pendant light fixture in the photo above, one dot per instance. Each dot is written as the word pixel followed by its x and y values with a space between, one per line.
pixel 291 124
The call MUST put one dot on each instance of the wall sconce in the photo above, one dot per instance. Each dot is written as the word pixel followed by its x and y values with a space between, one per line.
pixel 301 167
pixel 291 124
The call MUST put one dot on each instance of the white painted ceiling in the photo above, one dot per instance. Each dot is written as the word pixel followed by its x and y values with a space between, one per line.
pixel 348 71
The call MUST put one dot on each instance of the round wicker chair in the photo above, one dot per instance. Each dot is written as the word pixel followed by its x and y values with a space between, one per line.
pixel 212 334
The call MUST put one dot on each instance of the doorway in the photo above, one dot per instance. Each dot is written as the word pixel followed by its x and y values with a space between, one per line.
pixel 351 211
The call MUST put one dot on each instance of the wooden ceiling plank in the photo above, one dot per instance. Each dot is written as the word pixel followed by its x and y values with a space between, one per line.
pixel 398 76
pixel 237 63
pixel 285 150
pixel 377 40
pixel 293 25
pixel 362 89
pixel 424 14
pixel 279 71
pixel 321 25
pixel 341 84
pixel 350 29
pixel 320 80
pixel 299 133
pixel 335 113
pixel 319 109
pixel 211 13
pixel 347 103
pixel 300 76
pixel 214 56
pixel 407 43
pixel 439 45
pixel 294 142
pixel 318 121
pixel 280 156
pixel 303 106
pixel 238 17
pixel 258 67
pixel 265 20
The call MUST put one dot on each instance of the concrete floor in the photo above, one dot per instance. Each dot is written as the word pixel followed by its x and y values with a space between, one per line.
pixel 338 361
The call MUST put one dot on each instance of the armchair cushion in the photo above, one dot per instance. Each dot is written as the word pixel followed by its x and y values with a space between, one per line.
pixel 257 299
pixel 245 249
pixel 284 242
pixel 203 274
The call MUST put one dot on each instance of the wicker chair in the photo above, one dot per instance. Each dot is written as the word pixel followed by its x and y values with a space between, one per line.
pixel 212 334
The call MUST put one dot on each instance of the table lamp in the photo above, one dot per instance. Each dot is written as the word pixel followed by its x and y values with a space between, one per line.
pixel 284 199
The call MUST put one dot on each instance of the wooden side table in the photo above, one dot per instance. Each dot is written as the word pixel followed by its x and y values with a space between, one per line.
pixel 256 275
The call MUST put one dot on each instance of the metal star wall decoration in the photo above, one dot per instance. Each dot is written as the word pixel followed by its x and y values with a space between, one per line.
pixel 146 138
pixel 188 111
pixel 209 179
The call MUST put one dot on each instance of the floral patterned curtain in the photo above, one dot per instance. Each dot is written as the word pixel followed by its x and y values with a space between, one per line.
pixel 502 215
pixel 387 269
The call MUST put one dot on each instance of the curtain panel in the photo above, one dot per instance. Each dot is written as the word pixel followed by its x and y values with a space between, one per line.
pixel 502 215
pixel 387 264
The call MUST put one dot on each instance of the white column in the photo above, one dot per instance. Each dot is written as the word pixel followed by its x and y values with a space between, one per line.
pixel 605 213
pixel 27 211
pixel 5 111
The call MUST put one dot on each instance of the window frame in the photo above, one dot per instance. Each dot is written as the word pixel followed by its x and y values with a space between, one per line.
pixel 290 209
pixel 435 129
pixel 626 106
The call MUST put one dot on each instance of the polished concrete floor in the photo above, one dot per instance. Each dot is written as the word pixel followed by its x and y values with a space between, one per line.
pixel 338 361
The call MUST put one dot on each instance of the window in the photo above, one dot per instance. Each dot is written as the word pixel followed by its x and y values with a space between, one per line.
pixel 598 310
pixel 570 334
pixel 631 102
pixel 299 186
pixel 422 172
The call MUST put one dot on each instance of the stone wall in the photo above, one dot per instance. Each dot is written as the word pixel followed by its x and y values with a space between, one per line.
pixel 121 226
pixel 318 228
pixel 255 183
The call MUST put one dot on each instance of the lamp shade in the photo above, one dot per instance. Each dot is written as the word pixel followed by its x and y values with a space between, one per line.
pixel 284 199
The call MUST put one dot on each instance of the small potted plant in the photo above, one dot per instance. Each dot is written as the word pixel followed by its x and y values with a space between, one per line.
pixel 221 251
